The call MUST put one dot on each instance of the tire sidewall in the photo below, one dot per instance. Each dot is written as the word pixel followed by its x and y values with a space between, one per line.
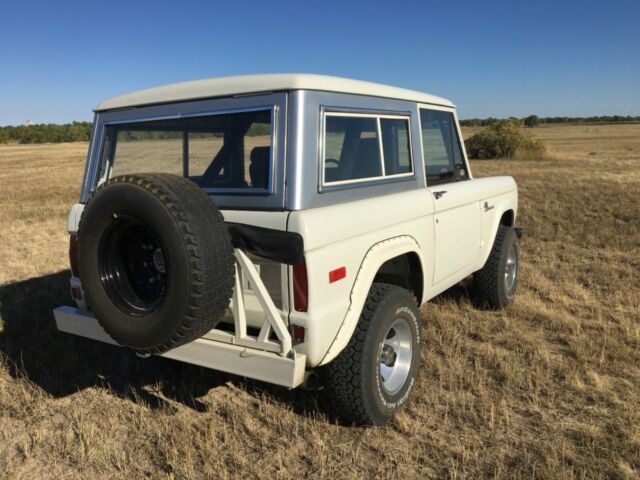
pixel 510 238
pixel 398 304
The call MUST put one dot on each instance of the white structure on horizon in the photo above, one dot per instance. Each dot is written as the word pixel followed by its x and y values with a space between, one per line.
pixel 29 122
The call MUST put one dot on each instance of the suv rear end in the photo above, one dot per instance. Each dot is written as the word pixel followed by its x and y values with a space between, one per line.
pixel 233 148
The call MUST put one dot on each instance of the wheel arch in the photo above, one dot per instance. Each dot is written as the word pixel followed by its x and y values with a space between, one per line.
pixel 404 270
pixel 386 259
pixel 507 218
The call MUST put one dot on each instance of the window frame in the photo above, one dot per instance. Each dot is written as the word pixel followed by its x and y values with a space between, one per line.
pixel 356 182
pixel 275 201
pixel 108 156
pixel 465 159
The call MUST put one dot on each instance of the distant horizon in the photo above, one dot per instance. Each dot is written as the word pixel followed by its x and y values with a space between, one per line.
pixel 633 119
pixel 496 59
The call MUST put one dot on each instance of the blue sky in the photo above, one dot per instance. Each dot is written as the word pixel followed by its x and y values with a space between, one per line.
pixel 492 58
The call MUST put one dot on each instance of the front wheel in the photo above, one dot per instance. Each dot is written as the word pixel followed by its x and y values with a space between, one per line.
pixel 373 376
pixel 495 284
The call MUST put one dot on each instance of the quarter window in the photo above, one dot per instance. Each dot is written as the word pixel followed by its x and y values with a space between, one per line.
pixel 441 148
pixel 360 147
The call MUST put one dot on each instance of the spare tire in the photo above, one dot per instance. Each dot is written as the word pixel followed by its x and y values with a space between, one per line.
pixel 156 261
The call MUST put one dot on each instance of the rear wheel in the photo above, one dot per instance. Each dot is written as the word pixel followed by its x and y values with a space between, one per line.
pixel 132 265
pixel 371 379
pixel 156 261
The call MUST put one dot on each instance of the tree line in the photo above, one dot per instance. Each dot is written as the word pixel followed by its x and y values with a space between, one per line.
pixel 46 133
pixel 79 131
pixel 533 120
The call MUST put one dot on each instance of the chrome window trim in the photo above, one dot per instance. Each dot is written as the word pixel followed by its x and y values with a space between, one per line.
pixel 88 180
pixel 362 182
pixel 453 111
pixel 304 147
pixel 261 200
pixel 206 113
pixel 273 148
pixel 381 148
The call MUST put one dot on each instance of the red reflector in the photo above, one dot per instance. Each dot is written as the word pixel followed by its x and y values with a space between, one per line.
pixel 337 274
pixel 298 333
pixel 300 287
pixel 73 254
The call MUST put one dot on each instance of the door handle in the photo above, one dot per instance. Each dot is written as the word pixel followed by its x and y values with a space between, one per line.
pixel 439 194
pixel 487 207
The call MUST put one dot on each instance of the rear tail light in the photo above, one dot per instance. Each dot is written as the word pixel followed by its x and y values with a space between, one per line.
pixel 73 254
pixel 300 287
pixel 76 294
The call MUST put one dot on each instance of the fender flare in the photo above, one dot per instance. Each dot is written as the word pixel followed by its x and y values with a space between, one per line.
pixel 371 263
pixel 505 207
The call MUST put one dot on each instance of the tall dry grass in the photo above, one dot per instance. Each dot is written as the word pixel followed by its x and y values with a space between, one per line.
pixel 547 389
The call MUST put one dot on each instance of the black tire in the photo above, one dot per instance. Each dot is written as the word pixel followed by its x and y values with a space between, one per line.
pixel 156 261
pixel 353 379
pixel 491 287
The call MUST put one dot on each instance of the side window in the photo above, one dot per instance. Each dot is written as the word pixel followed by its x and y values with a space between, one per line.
pixel 395 146
pixel 441 147
pixel 361 147
pixel 352 150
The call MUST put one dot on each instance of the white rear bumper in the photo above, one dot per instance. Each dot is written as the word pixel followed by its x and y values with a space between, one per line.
pixel 236 359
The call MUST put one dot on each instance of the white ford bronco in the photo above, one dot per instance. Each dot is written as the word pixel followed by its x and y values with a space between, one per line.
pixel 285 228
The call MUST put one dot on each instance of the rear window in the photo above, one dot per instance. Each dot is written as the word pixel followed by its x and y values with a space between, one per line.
pixel 365 147
pixel 225 152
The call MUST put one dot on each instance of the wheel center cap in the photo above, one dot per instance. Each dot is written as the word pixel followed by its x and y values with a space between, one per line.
pixel 158 260
pixel 388 356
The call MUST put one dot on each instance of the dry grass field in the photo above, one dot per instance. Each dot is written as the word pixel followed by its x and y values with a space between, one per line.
pixel 547 389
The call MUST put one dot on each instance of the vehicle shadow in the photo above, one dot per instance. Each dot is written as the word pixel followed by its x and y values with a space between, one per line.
pixel 460 291
pixel 63 364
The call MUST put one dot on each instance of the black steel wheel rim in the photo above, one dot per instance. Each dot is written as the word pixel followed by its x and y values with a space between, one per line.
pixel 133 266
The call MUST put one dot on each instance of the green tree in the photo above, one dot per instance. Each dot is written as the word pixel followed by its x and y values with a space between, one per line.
pixel 504 139
pixel 531 121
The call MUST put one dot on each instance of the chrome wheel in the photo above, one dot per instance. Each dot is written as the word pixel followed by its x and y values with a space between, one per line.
pixel 511 269
pixel 395 356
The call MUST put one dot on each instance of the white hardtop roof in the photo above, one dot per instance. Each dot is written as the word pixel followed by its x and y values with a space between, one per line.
pixel 244 84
